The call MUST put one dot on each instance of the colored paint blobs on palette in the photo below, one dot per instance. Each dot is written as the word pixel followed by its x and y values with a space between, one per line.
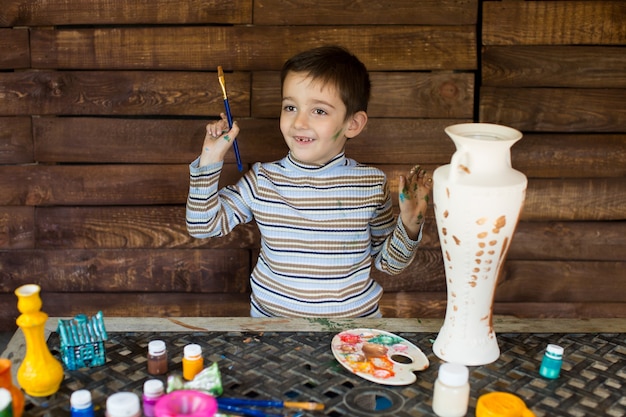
pixel 378 356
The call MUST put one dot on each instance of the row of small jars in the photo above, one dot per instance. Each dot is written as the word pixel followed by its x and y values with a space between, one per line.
pixel 127 404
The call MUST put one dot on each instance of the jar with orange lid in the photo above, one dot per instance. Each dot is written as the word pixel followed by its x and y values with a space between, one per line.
pixel 502 404
pixel 192 361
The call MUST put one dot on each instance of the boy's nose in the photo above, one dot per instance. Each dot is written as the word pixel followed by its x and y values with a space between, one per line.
pixel 300 121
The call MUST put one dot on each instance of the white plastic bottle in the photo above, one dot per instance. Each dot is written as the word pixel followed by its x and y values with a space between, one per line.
pixel 451 392
pixel 123 404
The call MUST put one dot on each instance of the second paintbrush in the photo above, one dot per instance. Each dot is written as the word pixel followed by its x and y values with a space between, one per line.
pixel 229 116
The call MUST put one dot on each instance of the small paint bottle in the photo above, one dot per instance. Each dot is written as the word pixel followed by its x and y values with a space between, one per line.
pixel 157 357
pixel 551 363
pixel 192 361
pixel 451 392
pixel 6 403
pixel 81 404
pixel 153 389
pixel 123 404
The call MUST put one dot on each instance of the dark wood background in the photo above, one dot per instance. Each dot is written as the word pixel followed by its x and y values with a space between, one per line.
pixel 102 109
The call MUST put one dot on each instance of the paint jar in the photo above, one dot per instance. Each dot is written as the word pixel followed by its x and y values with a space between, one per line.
pixel 192 361
pixel 153 389
pixel 451 392
pixel 157 357
pixel 6 403
pixel 123 404
pixel 551 363
pixel 501 404
pixel 80 404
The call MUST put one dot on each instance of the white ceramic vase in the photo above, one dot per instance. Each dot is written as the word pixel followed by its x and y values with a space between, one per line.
pixel 477 198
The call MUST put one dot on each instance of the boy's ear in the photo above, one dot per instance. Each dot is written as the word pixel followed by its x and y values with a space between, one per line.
pixel 356 124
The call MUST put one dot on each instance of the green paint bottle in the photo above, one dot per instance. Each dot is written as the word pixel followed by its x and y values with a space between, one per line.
pixel 6 403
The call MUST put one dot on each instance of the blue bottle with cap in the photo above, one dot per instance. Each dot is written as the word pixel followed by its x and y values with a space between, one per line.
pixel 80 404
pixel 551 363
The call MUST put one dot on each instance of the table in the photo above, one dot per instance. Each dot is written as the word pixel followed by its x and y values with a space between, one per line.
pixel 291 360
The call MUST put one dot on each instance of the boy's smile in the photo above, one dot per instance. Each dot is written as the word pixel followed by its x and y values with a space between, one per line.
pixel 313 119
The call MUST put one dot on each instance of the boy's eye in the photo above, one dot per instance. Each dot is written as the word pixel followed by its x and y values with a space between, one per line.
pixel 289 108
pixel 319 111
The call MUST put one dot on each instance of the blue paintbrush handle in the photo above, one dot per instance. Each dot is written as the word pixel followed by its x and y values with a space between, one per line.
pixel 250 412
pixel 249 402
pixel 229 116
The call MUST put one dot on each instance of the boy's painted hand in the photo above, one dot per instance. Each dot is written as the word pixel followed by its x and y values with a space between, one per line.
pixel 218 140
pixel 415 194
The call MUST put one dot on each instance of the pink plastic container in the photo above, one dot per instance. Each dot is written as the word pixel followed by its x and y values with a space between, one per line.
pixel 186 403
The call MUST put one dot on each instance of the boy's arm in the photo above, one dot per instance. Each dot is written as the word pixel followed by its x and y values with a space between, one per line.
pixel 211 212
pixel 398 248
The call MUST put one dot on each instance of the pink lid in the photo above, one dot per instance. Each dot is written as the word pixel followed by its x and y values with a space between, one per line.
pixel 186 403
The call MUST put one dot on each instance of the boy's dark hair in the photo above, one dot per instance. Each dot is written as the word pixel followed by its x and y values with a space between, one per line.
pixel 335 65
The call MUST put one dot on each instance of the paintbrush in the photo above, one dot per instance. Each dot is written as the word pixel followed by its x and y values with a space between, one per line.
pixel 270 403
pixel 248 412
pixel 229 116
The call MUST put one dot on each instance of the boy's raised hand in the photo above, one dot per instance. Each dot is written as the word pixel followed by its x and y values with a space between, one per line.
pixel 414 196
pixel 217 141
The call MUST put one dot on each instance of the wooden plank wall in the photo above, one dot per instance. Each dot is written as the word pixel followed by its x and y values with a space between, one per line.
pixel 556 70
pixel 102 108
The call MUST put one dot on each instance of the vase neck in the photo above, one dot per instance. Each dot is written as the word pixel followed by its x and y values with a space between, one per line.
pixel 482 147
pixel 485 155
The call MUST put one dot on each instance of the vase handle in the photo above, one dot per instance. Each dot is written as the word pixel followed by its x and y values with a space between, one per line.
pixel 458 163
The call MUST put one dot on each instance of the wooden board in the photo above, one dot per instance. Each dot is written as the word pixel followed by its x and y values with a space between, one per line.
pixel 380 47
pixel 554 23
pixel 15 48
pixel 525 281
pixel 128 270
pixel 124 12
pixel 555 109
pixel 554 66
pixel 570 155
pixel 121 93
pixel 575 200
pixel 16 140
pixel 130 227
pixel 397 12
pixel 17 227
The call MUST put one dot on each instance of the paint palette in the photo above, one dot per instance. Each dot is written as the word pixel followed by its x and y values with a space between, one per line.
pixel 379 356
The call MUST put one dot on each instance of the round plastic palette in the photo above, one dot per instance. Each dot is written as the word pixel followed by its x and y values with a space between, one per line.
pixel 379 356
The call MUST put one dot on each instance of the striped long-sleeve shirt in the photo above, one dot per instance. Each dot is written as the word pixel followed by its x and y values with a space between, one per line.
pixel 320 229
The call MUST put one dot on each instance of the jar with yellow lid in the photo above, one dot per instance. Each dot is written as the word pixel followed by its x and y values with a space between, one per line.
pixel 501 404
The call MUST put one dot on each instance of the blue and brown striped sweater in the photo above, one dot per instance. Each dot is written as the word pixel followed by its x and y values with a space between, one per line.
pixel 320 227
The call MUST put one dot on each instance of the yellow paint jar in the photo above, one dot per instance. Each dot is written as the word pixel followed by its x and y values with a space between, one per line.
pixel 192 361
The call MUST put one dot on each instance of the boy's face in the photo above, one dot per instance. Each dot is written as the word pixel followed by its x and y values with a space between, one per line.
pixel 313 119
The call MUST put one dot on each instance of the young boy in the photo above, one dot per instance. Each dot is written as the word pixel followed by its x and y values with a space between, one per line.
pixel 323 217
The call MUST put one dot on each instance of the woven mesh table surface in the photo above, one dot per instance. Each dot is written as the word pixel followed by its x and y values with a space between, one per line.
pixel 299 366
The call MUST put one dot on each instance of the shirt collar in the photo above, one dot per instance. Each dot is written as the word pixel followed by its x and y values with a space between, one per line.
pixel 338 160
